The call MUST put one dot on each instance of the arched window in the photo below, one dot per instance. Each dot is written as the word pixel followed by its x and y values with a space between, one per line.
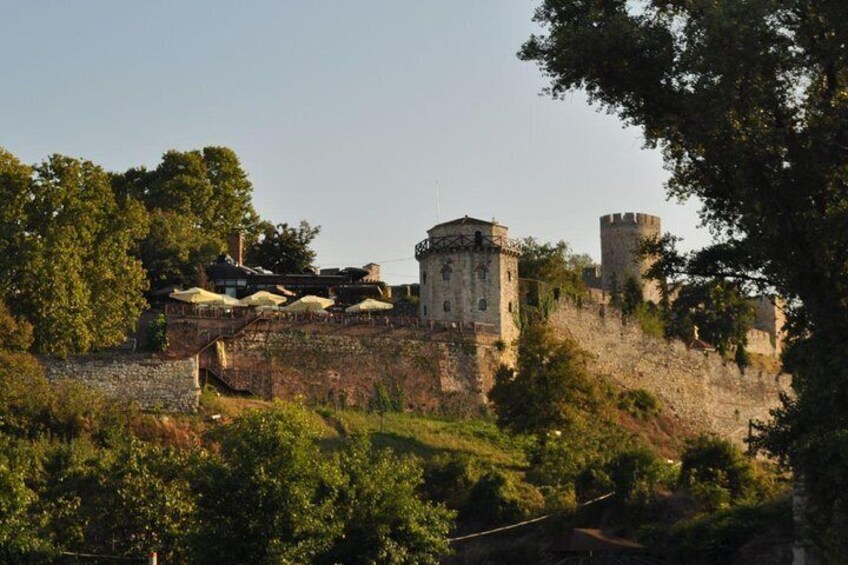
pixel 482 305
pixel 446 306
pixel 482 272
pixel 446 273
pixel 478 239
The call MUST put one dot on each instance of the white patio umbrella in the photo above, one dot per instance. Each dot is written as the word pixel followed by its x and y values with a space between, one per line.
pixel 196 295
pixel 309 303
pixel 263 298
pixel 369 305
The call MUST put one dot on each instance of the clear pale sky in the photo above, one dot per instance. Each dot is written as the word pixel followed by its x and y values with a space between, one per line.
pixel 346 114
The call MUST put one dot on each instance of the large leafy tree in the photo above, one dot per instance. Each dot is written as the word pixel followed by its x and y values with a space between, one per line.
pixel 283 248
pixel 718 309
pixel 554 264
pixel 549 388
pixel 66 266
pixel 747 100
pixel 195 200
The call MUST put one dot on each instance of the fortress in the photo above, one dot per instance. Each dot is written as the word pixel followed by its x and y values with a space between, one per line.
pixel 444 359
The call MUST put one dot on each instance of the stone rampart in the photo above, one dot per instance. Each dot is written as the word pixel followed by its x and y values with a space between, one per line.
pixel 702 390
pixel 343 366
pixel 150 381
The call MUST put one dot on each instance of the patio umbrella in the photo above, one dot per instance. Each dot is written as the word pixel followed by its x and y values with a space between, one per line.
pixel 226 300
pixel 284 291
pixel 196 295
pixel 369 305
pixel 309 303
pixel 263 298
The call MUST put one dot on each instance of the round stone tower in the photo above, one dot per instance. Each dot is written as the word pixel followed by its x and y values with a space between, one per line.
pixel 468 270
pixel 621 235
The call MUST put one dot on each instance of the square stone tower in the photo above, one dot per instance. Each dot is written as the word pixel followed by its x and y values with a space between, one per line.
pixel 468 270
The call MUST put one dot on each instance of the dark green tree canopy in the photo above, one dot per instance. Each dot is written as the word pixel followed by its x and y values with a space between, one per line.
pixel 283 248
pixel 66 264
pixel 747 100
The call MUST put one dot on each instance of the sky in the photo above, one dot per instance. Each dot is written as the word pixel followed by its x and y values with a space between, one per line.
pixel 373 119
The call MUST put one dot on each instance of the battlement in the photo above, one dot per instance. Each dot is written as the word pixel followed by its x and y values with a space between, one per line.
pixel 629 219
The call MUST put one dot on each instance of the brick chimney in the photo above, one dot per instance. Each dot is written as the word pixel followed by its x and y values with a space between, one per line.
pixel 235 245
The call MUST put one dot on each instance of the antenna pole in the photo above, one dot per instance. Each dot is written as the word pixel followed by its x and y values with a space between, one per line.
pixel 438 211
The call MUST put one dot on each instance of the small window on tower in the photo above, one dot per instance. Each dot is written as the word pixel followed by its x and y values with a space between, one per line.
pixel 481 273
pixel 478 239
pixel 446 305
pixel 425 309
pixel 446 274
pixel 482 305
pixel 509 276
pixel 424 277
pixel 510 306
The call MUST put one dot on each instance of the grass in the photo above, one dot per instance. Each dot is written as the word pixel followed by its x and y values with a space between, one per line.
pixel 418 434
pixel 428 435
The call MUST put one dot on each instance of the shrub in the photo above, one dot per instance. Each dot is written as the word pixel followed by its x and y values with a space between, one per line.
pixel 710 464
pixel 638 473
pixel 497 498
pixel 158 333
pixel 639 403
pixel 449 478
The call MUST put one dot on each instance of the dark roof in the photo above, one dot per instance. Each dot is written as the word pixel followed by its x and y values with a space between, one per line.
pixel 584 540
pixel 226 268
pixel 464 221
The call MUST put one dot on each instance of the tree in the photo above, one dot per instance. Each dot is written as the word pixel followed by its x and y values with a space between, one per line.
pixel 284 249
pixel 15 333
pixel 268 497
pixel 746 101
pixel 67 268
pixel 548 388
pixel 382 518
pixel 632 296
pixel 554 264
pixel 718 309
pixel 195 200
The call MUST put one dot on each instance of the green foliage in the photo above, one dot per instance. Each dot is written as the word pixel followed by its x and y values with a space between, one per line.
pixel 158 333
pixel 21 539
pixel 631 296
pixel 380 517
pixel 640 403
pixel 15 333
pixel 68 270
pixel 719 475
pixel 448 478
pixel 496 498
pixel 554 265
pixel 637 474
pixel 718 309
pixel 195 199
pixel 549 388
pixel 265 497
pixel 745 99
pixel 283 248
pixel 716 538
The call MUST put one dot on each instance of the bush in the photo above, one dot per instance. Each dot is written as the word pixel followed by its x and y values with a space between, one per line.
pixel 638 474
pixel 639 403
pixel 711 465
pixel 157 332
pixel 497 498
pixel 449 478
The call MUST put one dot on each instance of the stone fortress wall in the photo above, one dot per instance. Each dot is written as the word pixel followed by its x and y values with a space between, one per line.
pixel 702 390
pixel 153 382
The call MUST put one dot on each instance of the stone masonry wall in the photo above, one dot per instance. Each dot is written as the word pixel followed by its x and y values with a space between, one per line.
pixel 703 391
pixel 150 381
pixel 341 367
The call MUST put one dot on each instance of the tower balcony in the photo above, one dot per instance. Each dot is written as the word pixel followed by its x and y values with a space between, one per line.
pixel 477 242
